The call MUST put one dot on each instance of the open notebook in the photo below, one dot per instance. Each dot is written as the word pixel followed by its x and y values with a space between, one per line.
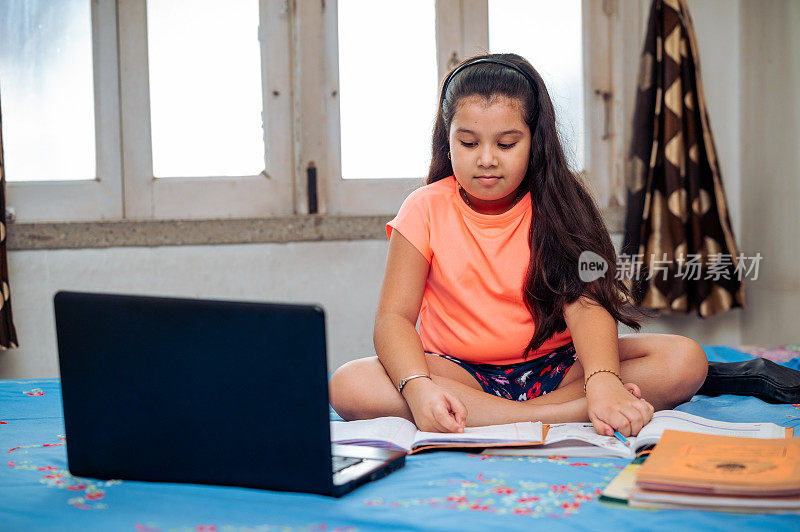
pixel 580 439
pixel 399 434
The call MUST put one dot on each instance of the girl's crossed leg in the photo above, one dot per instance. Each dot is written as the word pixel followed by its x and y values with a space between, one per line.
pixel 668 370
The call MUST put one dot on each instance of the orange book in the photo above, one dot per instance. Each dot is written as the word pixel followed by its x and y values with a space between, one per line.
pixel 701 463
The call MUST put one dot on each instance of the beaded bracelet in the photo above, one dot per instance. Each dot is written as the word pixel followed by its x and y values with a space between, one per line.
pixel 592 374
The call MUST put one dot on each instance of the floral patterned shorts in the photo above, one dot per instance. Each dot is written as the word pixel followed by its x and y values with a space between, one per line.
pixel 525 380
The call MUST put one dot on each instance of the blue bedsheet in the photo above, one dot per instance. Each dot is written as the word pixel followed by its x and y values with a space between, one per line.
pixel 435 491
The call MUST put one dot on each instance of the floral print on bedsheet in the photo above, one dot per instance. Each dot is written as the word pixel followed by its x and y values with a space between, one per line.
pixel 499 495
pixel 88 493
pixel 780 353
pixel 319 527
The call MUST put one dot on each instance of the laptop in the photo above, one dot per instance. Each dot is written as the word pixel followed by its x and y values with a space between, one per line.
pixel 203 391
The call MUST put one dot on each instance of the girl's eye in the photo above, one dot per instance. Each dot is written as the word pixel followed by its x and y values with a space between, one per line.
pixel 473 144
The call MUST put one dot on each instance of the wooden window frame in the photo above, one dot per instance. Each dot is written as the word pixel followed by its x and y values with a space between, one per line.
pixel 301 113
pixel 269 193
pixel 461 30
pixel 616 31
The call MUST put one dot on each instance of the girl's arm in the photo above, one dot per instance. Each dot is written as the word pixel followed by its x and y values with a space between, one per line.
pixel 611 406
pixel 398 345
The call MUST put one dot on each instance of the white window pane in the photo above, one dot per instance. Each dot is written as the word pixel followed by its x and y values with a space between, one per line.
pixel 388 87
pixel 205 88
pixel 47 89
pixel 548 34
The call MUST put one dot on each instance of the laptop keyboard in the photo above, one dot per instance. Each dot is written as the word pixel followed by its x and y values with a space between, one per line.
pixel 341 462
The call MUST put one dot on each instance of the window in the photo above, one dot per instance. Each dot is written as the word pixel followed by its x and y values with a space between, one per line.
pixel 222 183
pixel 181 109
pixel 60 109
pixel 549 35
pixel 205 109
pixel 459 29
pixel 582 81
pixel 388 90
pixel 196 185
pixel 48 90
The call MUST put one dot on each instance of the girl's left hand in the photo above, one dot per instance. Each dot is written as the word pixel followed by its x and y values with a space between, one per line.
pixel 613 406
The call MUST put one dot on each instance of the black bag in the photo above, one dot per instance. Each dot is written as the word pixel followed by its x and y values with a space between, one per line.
pixel 759 377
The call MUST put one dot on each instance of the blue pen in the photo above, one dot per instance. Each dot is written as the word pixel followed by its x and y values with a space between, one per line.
pixel 621 438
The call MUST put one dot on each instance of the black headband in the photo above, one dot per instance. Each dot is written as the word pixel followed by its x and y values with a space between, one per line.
pixel 503 62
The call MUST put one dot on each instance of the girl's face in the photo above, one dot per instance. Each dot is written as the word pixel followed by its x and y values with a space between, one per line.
pixel 490 146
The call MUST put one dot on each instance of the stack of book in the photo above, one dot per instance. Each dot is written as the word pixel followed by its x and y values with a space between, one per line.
pixel 721 473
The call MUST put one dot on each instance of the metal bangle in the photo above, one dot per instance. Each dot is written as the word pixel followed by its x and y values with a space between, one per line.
pixel 405 381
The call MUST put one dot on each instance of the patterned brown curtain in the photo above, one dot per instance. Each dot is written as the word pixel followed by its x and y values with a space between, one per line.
pixel 8 335
pixel 677 229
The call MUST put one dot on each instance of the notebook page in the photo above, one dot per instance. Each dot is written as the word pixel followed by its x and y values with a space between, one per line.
pixel 526 431
pixel 571 439
pixel 385 432
pixel 573 449
pixel 584 432
pixel 674 420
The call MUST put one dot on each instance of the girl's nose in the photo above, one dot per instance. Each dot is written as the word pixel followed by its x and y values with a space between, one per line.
pixel 486 157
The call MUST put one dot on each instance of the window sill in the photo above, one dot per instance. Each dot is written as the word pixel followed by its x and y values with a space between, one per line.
pixel 151 233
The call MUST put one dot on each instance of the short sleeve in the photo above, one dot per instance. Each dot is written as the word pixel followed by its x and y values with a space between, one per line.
pixel 414 223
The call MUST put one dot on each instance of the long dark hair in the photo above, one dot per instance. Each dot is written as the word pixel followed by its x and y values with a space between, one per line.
pixel 566 220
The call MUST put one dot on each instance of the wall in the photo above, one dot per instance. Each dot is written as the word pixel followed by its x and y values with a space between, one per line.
pixel 344 277
pixel 771 166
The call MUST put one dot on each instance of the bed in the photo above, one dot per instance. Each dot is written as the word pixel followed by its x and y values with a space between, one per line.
pixel 435 491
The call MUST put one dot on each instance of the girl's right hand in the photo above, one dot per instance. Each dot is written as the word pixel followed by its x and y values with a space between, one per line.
pixel 613 406
pixel 434 408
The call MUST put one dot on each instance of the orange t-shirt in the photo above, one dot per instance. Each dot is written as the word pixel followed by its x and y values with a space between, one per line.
pixel 472 307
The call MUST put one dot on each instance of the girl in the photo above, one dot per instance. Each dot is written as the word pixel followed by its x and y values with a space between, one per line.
pixel 486 256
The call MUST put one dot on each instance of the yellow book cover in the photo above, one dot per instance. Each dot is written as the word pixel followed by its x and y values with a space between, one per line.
pixel 701 463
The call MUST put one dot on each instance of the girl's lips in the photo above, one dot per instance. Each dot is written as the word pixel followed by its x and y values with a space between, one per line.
pixel 487 179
